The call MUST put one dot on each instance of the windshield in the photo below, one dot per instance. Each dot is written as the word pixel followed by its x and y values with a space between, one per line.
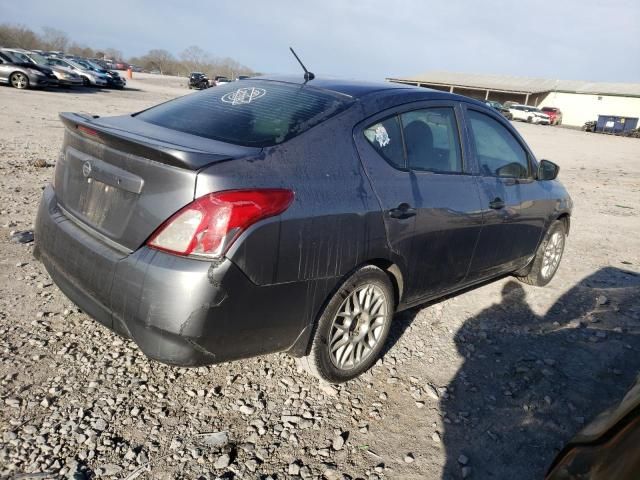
pixel 259 114
pixel 16 57
pixel 77 64
pixel 93 65
pixel 39 59
pixel 83 64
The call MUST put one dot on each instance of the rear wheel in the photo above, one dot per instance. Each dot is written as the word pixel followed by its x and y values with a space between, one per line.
pixel 86 82
pixel 19 80
pixel 352 328
pixel 547 260
pixel 529 119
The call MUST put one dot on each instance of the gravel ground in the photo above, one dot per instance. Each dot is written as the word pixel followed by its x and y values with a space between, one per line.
pixel 487 384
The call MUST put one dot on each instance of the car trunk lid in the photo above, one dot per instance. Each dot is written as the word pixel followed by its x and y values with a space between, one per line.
pixel 120 178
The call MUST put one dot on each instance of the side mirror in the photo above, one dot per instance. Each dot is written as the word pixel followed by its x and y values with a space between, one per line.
pixel 547 170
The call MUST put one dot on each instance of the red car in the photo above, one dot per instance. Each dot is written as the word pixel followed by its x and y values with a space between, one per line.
pixel 555 115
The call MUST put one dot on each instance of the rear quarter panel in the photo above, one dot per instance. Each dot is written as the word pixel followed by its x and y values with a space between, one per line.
pixel 334 223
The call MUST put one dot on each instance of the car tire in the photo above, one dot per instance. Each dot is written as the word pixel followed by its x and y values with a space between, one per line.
pixel 529 119
pixel 545 264
pixel 357 319
pixel 86 82
pixel 19 80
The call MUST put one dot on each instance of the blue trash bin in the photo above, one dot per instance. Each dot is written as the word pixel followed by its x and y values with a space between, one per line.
pixel 615 124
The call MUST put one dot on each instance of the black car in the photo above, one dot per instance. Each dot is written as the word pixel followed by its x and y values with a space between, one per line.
pixel 277 214
pixel 198 80
pixel 500 108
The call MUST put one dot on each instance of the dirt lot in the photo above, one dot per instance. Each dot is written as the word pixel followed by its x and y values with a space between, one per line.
pixel 487 384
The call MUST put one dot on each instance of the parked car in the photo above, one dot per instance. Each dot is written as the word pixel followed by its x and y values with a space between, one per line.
pixel 292 215
pixel 500 108
pixel 21 75
pixel 607 448
pixel 104 64
pixel 89 77
pixel 114 80
pixel 66 76
pixel 198 80
pixel 221 80
pixel 529 114
pixel 243 77
pixel 555 115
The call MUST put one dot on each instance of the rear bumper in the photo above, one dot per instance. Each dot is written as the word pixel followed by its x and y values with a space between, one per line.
pixel 179 311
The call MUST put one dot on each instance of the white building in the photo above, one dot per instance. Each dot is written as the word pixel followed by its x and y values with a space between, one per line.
pixel 579 101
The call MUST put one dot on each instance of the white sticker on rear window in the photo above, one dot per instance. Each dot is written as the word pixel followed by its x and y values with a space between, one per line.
pixel 243 96
pixel 382 137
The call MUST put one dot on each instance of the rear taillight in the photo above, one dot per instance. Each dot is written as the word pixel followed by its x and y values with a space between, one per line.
pixel 87 130
pixel 209 225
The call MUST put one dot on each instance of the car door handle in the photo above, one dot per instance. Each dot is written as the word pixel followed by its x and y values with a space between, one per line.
pixel 404 210
pixel 496 204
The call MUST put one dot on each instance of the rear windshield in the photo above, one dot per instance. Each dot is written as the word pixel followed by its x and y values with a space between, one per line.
pixel 549 109
pixel 257 114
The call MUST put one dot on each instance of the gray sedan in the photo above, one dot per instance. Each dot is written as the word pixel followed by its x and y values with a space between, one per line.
pixel 65 75
pixel 291 214
pixel 21 75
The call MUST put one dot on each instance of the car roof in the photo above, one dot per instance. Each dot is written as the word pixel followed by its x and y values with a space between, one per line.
pixel 394 93
pixel 352 88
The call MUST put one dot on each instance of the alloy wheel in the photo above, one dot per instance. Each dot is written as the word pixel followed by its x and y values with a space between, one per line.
pixel 552 254
pixel 19 80
pixel 358 326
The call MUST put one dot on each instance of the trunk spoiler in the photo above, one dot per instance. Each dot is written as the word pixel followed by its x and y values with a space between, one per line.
pixel 147 146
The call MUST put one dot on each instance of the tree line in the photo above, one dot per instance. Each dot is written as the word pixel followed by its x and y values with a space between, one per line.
pixel 191 59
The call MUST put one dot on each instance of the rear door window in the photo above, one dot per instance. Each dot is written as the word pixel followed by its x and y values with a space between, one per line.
pixel 432 140
pixel 498 152
pixel 256 114
pixel 386 138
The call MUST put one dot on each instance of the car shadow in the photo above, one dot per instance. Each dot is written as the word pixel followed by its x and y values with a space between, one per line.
pixel 403 320
pixel 529 383
pixel 83 89
pixel 74 89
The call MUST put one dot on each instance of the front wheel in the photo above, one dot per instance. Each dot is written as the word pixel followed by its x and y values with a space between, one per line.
pixel 19 80
pixel 353 327
pixel 547 260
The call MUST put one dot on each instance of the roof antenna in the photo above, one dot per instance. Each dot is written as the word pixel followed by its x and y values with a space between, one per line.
pixel 307 74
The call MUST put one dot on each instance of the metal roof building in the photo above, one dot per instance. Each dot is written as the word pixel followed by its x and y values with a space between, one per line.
pixel 579 100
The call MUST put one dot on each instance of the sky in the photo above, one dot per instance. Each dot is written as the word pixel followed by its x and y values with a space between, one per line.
pixel 370 40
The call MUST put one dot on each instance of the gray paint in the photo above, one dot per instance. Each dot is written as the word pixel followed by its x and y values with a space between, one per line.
pixel 267 292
